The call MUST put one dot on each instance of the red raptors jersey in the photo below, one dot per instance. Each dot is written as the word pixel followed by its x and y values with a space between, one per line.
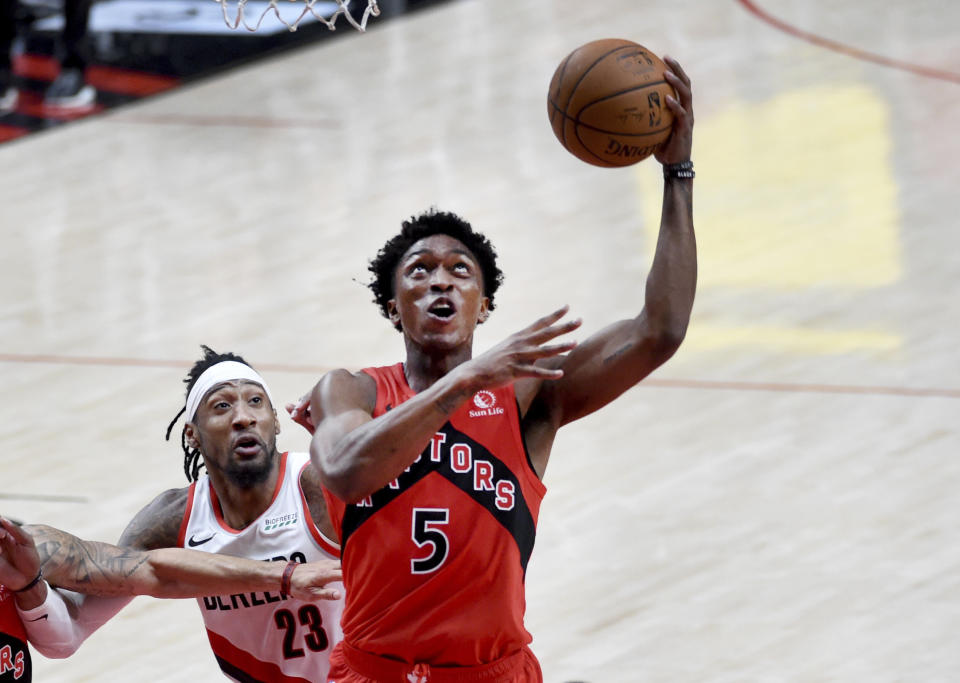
pixel 434 562
pixel 14 653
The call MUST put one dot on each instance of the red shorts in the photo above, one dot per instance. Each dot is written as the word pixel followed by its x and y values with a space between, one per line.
pixel 350 665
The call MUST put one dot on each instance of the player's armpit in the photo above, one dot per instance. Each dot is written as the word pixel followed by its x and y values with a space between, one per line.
pixel 604 366
pixel 158 524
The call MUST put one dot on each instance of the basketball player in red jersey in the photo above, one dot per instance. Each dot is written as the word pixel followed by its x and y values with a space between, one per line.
pixel 432 468
pixel 252 502
pixel 15 663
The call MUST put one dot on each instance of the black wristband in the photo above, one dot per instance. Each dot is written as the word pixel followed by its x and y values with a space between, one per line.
pixel 36 580
pixel 683 170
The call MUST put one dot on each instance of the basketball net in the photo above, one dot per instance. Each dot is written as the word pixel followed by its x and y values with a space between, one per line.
pixel 319 9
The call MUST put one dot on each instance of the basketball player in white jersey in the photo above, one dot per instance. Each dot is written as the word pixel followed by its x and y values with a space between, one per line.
pixel 252 502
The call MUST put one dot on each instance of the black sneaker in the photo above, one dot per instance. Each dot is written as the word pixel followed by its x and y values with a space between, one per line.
pixel 70 91
pixel 8 93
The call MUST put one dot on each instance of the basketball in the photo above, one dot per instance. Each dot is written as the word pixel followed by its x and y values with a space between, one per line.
pixel 607 103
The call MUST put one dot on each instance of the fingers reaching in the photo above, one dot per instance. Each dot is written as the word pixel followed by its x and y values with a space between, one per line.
pixel 548 320
pixel 678 146
pixel 19 535
pixel 537 371
pixel 677 77
pixel 548 333
pixel 677 69
pixel 324 594
pixel 527 353
pixel 300 413
pixel 310 581
pixel 545 328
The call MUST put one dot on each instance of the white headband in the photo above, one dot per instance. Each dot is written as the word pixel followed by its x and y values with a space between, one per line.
pixel 225 371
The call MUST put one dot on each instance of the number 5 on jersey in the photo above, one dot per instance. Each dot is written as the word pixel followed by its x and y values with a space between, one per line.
pixel 425 533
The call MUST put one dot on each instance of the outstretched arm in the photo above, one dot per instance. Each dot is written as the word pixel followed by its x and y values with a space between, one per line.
pixel 357 454
pixel 58 621
pixel 54 624
pixel 57 628
pixel 616 358
pixel 107 570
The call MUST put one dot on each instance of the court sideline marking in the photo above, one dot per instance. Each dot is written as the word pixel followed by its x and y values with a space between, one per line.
pixel 227 121
pixel 854 52
pixel 784 387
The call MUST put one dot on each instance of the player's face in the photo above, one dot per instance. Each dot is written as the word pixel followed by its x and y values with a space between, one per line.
pixel 236 430
pixel 438 293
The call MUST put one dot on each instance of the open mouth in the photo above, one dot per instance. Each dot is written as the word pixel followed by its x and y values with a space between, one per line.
pixel 442 308
pixel 246 445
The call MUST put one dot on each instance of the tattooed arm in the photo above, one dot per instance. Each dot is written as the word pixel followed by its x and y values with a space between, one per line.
pixel 58 621
pixel 91 567
pixel 107 570
pixel 59 624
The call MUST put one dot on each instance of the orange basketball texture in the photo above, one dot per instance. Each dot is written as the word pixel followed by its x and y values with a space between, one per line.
pixel 607 103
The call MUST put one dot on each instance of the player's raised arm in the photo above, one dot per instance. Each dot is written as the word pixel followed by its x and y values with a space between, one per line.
pixel 619 356
pixel 357 454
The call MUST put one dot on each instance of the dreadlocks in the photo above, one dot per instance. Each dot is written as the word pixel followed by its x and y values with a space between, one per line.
pixel 192 462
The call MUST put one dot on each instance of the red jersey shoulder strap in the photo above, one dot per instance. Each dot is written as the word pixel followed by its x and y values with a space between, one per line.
pixel 392 387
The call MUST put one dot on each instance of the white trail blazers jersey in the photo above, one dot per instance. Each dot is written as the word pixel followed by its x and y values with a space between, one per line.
pixel 266 637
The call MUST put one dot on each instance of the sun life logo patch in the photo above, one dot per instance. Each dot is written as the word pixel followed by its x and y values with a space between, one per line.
pixel 486 403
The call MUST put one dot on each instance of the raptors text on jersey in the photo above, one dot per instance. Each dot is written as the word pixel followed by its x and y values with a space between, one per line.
pixel 434 562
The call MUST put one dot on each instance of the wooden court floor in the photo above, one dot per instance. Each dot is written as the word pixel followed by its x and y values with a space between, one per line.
pixel 777 503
